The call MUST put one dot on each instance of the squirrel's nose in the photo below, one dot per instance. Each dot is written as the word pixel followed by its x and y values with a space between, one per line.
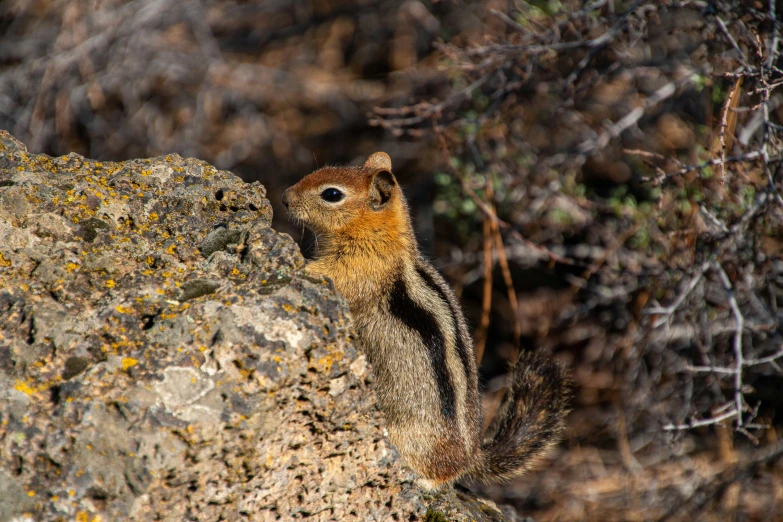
pixel 286 199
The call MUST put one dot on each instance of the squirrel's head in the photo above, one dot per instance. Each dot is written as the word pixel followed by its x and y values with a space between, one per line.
pixel 358 201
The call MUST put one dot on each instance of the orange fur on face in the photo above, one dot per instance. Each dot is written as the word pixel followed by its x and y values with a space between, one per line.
pixel 354 236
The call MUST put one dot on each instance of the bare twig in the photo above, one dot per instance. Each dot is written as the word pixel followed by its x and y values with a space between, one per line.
pixel 615 129
pixel 728 119
pixel 732 41
pixel 738 355
pixel 667 311
pixel 511 292
pixel 486 298
pixel 733 371
pixel 701 422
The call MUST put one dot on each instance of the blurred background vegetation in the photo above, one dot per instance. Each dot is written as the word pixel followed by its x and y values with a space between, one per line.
pixel 599 180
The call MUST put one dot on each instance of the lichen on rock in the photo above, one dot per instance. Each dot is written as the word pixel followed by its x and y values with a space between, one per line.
pixel 163 356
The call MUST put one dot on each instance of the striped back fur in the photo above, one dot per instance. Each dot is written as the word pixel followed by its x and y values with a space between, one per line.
pixel 413 332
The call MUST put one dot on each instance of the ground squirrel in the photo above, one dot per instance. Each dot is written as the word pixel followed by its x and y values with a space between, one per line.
pixel 412 329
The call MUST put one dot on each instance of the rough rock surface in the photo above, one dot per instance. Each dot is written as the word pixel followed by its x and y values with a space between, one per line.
pixel 163 356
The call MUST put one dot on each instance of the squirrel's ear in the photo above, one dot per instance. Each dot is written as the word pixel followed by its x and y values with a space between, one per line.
pixel 379 160
pixel 381 188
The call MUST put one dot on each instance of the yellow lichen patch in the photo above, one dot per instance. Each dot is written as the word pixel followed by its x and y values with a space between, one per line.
pixel 171 250
pixel 123 309
pixel 153 216
pixel 4 261
pixel 31 493
pixel 82 516
pixel 70 267
pixel 119 344
pixel 110 283
pixel 146 172
pixel 129 362
pixel 24 388
pixel 287 307
pixel 325 363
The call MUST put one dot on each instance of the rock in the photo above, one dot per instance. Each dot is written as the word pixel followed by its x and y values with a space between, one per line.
pixel 163 356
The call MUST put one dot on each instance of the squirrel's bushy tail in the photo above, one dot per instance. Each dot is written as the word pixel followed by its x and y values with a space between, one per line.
pixel 530 420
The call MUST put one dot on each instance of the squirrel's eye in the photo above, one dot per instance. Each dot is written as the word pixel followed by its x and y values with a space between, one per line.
pixel 332 195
